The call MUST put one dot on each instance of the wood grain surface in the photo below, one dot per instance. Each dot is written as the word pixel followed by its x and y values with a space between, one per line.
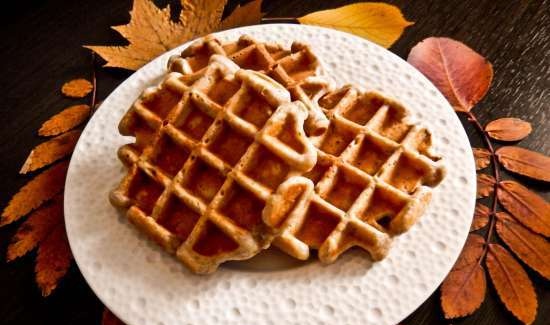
pixel 41 44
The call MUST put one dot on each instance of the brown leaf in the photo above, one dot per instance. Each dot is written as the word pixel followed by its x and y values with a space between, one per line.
pixel 481 217
pixel 249 14
pixel 378 22
pixel 109 318
pixel 508 129
pixel 36 228
pixel 482 157
pixel 531 248
pixel 525 162
pixel 527 207
pixel 461 74
pixel 485 185
pixel 37 191
pixel 471 252
pixel 65 120
pixel 512 284
pixel 77 88
pixel 53 260
pixel 151 32
pixel 463 291
pixel 50 151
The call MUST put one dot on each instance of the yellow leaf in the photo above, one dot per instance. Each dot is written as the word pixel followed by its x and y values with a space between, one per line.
pixel 249 14
pixel 378 22
pixel 65 120
pixel 77 88
pixel 151 32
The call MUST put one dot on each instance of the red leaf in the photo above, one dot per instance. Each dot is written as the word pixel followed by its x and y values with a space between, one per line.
pixel 485 185
pixel 463 291
pixel 481 217
pixel 526 206
pixel 525 162
pixel 482 157
pixel 109 318
pixel 53 260
pixel 508 129
pixel 512 284
pixel 531 248
pixel 65 120
pixel 461 74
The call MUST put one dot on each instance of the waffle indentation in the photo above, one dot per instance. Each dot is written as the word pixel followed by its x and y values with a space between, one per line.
pixel 253 109
pixel 371 155
pixel 346 189
pixel 195 122
pixel 267 168
pixel 169 156
pixel 383 206
pixel 230 145
pixel 177 218
pixel 144 191
pixel 336 139
pixel 212 241
pixel 203 181
pixel 317 226
pixel 243 207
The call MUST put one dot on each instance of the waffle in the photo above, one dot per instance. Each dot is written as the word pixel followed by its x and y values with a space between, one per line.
pixel 296 69
pixel 210 150
pixel 373 179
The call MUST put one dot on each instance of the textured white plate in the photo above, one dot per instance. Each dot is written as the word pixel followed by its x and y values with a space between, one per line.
pixel 143 285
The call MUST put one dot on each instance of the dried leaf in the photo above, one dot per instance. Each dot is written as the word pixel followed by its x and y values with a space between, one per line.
pixel 471 252
pixel 485 185
pixel 531 248
pixel 463 291
pixel 53 260
pixel 37 191
pixel 109 318
pixel 35 228
pixel 151 32
pixel 249 14
pixel 50 151
pixel 482 157
pixel 525 162
pixel 378 22
pixel 508 129
pixel 512 284
pixel 481 217
pixel 65 120
pixel 77 88
pixel 460 73
pixel 527 207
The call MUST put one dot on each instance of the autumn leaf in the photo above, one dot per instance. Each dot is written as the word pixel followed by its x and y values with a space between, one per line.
pixel 35 228
pixel 508 129
pixel 526 206
pixel 53 259
pixel 485 185
pixel 531 248
pixel 249 14
pixel 378 22
pixel 37 191
pixel 50 151
pixel 463 290
pixel 481 217
pixel 109 318
pixel 151 32
pixel 65 120
pixel 482 157
pixel 525 162
pixel 460 73
pixel 77 88
pixel 512 284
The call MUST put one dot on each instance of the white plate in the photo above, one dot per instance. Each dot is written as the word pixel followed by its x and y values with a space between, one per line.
pixel 143 285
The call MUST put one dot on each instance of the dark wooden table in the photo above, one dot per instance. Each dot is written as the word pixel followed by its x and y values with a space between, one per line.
pixel 41 48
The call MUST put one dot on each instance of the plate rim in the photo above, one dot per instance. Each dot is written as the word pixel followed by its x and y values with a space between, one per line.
pixel 153 62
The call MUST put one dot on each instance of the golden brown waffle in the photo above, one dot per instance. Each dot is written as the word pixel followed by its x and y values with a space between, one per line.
pixel 210 150
pixel 372 180
pixel 296 69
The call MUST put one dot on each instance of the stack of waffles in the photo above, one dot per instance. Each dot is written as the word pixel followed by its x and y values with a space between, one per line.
pixel 244 145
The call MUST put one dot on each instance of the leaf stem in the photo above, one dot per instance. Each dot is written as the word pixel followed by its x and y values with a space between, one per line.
pixel 279 20
pixel 94 84
pixel 496 173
